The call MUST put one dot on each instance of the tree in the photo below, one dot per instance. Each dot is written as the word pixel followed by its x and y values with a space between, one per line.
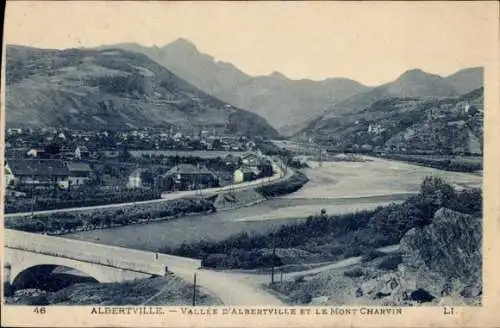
pixel 125 155
pixel 147 177
pixel 53 148
pixel 216 144
pixel 437 191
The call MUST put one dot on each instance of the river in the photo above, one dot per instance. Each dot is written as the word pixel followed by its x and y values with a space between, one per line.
pixel 337 187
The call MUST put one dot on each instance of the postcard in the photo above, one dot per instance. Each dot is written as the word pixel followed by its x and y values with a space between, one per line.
pixel 242 164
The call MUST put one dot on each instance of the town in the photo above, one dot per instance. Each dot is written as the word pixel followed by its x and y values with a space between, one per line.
pixel 50 168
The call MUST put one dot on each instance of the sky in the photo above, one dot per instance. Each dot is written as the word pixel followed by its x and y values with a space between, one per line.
pixel 371 42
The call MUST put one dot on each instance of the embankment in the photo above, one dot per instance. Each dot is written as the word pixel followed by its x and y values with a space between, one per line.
pixel 232 200
pixel 284 187
pixel 61 222
pixel 164 291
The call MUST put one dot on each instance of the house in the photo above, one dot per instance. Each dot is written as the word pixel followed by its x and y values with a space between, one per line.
pixel 178 136
pixel 40 172
pixel 82 152
pixel 188 176
pixel 243 174
pixel 8 176
pixel 250 159
pixel 37 153
pixel 135 179
pixel 61 136
pixel 79 173
pixel 16 152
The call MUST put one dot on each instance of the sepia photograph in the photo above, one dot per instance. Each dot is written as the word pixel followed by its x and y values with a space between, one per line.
pixel 234 161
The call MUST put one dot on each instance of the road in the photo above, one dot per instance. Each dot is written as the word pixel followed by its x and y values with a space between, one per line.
pixel 278 175
pixel 257 278
pixel 245 288
pixel 231 289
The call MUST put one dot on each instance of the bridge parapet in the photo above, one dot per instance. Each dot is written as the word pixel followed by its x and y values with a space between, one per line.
pixel 112 256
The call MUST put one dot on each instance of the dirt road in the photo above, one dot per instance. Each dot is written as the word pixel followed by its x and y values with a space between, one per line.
pixel 245 288
pixel 230 288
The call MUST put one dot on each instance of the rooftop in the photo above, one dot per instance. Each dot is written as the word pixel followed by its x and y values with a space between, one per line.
pixel 47 167
pixel 188 169
pixel 78 166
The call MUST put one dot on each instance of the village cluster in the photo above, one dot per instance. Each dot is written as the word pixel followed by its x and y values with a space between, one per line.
pixel 52 163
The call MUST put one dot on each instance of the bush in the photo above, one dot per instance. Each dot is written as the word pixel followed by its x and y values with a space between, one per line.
pixel 390 262
pixel 108 217
pixel 44 200
pixel 240 259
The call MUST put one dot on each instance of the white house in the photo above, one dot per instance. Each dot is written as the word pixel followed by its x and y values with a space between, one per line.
pixel 79 173
pixel 61 136
pixel 8 176
pixel 81 152
pixel 178 136
pixel 35 152
pixel 243 174
pixel 135 180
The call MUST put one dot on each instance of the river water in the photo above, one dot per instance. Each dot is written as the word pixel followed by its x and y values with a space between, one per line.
pixel 337 187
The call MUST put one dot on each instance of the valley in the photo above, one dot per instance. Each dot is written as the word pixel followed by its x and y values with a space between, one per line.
pixel 331 184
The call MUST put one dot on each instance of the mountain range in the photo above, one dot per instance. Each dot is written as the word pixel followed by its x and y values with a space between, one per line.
pixel 282 101
pixel 413 84
pixel 112 89
pixel 129 86
pixel 291 105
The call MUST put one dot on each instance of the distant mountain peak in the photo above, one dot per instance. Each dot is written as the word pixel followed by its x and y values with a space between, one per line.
pixel 182 43
pixel 278 75
pixel 416 73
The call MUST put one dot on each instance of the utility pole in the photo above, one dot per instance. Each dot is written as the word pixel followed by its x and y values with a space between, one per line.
pixel 32 196
pixel 194 290
pixel 274 256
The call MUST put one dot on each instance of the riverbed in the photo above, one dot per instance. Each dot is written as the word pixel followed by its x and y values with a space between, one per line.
pixel 337 187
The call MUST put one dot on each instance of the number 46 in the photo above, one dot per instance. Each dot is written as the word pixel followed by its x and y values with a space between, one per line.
pixel 40 310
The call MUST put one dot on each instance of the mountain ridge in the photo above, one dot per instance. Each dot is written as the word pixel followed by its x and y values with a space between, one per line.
pixel 292 104
pixel 281 100
pixel 114 89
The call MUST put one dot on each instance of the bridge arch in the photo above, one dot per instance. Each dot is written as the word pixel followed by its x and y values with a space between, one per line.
pixel 43 276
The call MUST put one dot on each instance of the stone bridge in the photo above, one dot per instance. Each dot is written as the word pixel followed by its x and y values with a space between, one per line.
pixel 29 259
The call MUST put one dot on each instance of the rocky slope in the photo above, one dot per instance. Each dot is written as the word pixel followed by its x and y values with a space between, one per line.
pixel 112 89
pixel 445 258
pixel 437 264
pixel 448 125
pixel 282 101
